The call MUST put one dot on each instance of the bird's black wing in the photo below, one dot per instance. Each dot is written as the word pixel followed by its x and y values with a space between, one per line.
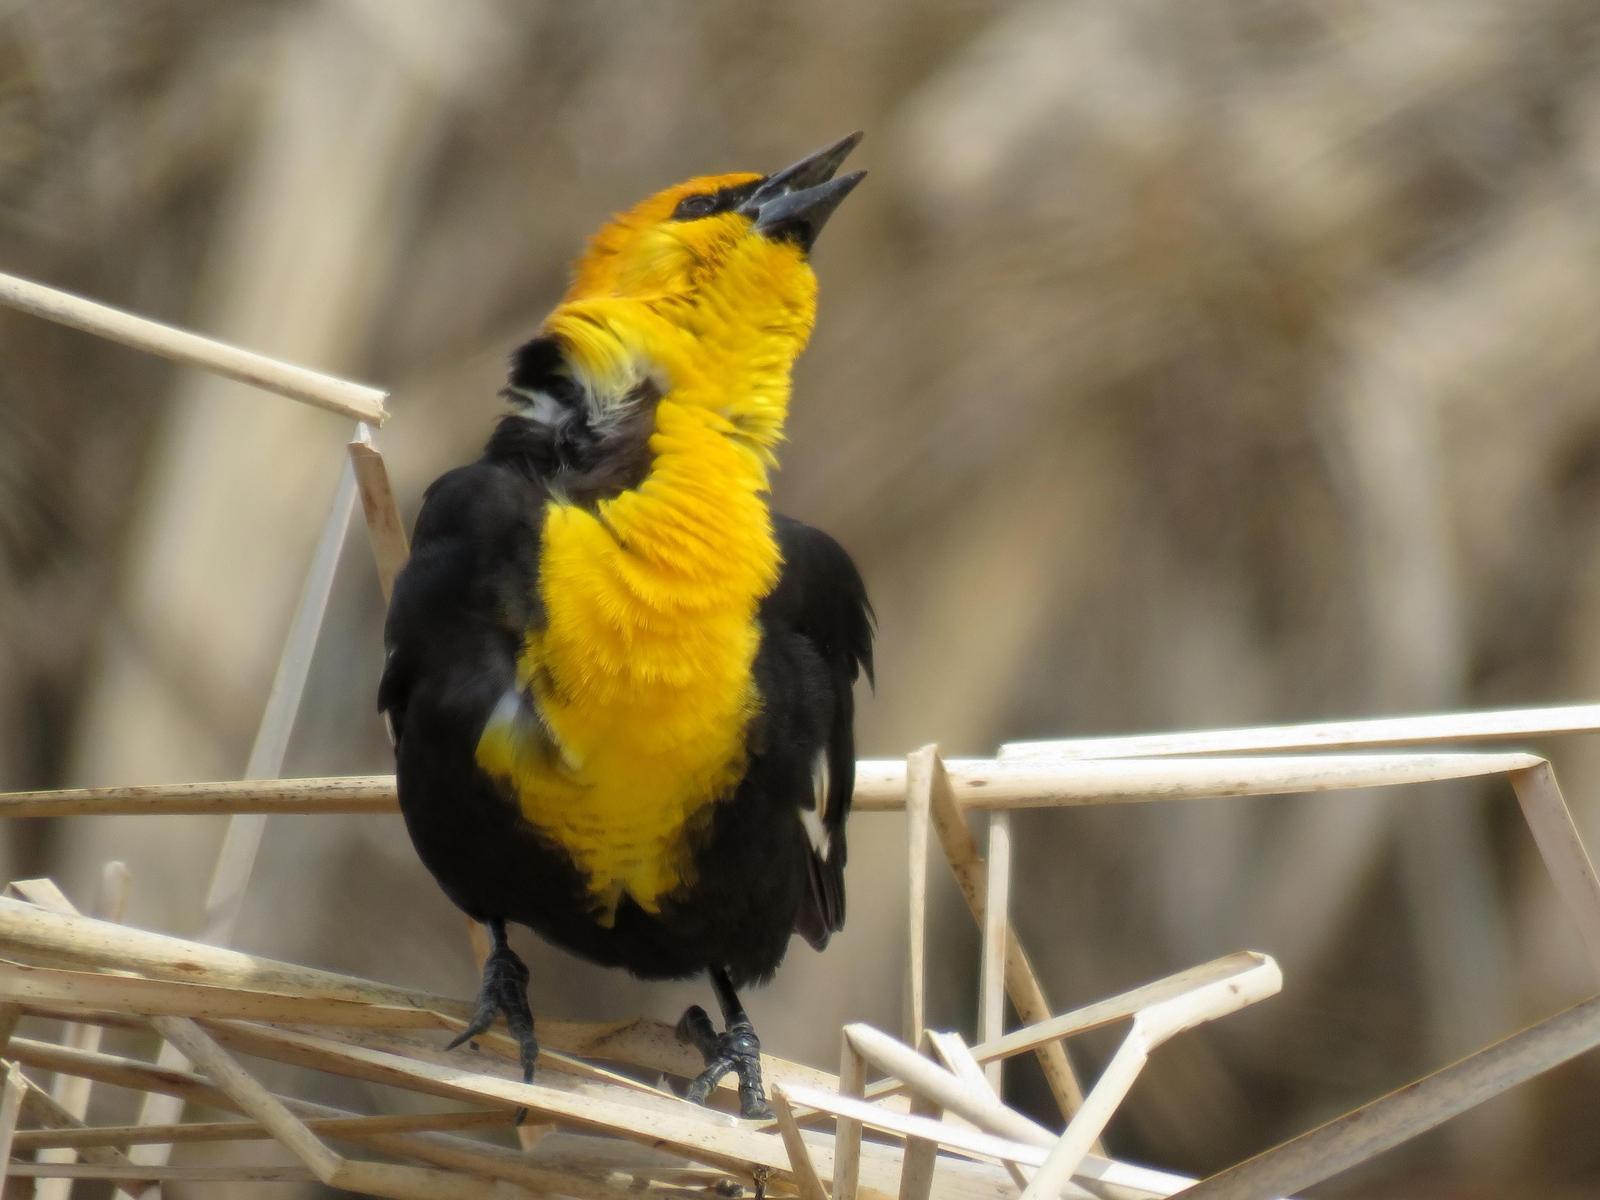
pixel 466 596
pixel 821 600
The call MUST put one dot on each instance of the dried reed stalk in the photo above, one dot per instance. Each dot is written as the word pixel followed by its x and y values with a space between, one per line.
pixel 1406 1112
pixel 1020 979
pixel 997 935
pixel 921 1158
pixel 60 938
pixel 1434 729
pixel 810 1182
pixel 86 1138
pixel 914 1126
pixel 385 530
pixel 297 383
pixel 918 796
pixel 70 1092
pixel 12 1092
pixel 1556 836
pixel 847 1132
pixel 437 1148
pixel 44 1110
pixel 958 1060
pixel 690 1130
pixel 1118 1008
pixel 1106 1177
pixel 1153 1025
pixel 139 1173
pixel 87 993
pixel 333 794
pixel 979 784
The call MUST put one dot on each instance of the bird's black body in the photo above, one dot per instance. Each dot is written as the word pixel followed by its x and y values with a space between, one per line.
pixel 456 622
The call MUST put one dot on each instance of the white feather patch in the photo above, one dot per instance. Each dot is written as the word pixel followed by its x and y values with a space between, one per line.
pixel 816 831
pixel 515 718
pixel 388 721
pixel 539 407
pixel 812 818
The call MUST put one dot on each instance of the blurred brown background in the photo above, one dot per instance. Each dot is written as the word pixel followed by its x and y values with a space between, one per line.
pixel 1179 365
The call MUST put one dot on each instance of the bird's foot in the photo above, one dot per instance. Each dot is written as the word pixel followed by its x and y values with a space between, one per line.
pixel 738 1050
pixel 505 991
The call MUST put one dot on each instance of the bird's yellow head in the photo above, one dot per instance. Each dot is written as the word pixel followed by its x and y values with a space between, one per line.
pixel 702 293
pixel 704 241
pixel 699 239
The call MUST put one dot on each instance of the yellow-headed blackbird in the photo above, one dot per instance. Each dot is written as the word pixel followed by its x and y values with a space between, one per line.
pixel 619 685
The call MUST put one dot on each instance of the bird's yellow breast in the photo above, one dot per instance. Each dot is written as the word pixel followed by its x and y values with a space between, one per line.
pixel 641 673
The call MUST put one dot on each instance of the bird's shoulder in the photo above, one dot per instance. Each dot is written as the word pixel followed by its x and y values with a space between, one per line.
pixel 468 593
pixel 820 595
pixel 478 502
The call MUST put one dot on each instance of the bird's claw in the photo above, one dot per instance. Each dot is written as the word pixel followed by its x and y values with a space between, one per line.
pixel 505 992
pixel 737 1050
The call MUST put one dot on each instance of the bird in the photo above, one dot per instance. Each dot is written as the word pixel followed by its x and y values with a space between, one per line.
pixel 618 683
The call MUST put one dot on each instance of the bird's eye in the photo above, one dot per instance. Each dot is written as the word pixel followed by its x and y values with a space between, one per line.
pixel 690 207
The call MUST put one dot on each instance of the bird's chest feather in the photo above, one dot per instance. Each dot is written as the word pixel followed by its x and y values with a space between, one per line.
pixel 634 698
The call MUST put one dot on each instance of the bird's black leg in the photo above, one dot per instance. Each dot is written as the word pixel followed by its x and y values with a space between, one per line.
pixel 736 1049
pixel 504 990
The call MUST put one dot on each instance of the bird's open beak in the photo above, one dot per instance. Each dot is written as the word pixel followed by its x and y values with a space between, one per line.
pixel 796 202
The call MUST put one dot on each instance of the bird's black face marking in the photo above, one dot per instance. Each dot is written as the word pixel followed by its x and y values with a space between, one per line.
pixel 705 204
